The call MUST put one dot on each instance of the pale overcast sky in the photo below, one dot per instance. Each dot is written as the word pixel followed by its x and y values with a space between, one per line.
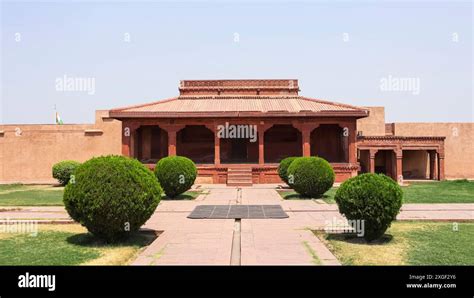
pixel 355 52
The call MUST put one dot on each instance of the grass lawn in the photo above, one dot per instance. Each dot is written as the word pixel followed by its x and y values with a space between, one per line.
pixel 456 191
pixel 188 195
pixel 30 195
pixel 290 194
pixel 67 245
pixel 407 243
pixel 9 187
pixel 43 195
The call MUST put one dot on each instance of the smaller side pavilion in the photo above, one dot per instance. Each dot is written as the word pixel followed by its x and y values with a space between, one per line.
pixel 402 157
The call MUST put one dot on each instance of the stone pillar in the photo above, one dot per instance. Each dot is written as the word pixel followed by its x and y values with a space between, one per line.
pixel 261 145
pixel 433 168
pixel 126 139
pixel 261 129
pixel 352 135
pixel 441 166
pixel 399 157
pixel 217 145
pixel 372 153
pixel 128 133
pixel 306 140
pixel 217 149
pixel 172 142
pixel 305 129
pixel 172 131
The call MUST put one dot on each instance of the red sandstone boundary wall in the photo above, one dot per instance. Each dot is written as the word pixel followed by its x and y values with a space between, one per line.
pixel 458 145
pixel 29 156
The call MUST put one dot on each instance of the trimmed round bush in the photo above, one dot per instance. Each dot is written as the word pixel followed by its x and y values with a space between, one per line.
pixel 63 170
pixel 310 176
pixel 112 196
pixel 374 198
pixel 176 174
pixel 283 168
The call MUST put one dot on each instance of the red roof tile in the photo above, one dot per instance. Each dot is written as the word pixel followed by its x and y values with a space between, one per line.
pixel 235 105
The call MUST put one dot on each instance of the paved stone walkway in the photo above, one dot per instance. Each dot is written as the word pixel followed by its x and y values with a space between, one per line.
pixel 261 241
pixel 209 241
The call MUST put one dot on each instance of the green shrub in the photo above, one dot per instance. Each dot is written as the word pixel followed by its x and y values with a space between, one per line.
pixel 176 174
pixel 112 196
pixel 283 168
pixel 310 176
pixel 63 170
pixel 374 198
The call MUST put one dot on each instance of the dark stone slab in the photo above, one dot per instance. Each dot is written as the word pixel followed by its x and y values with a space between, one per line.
pixel 237 211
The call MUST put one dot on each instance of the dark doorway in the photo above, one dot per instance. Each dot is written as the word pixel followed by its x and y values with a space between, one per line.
pixel 239 150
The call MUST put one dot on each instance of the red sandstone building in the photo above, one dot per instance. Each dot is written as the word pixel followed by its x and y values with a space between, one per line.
pixel 287 124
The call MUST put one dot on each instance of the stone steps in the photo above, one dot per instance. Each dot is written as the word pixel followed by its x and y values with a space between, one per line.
pixel 239 176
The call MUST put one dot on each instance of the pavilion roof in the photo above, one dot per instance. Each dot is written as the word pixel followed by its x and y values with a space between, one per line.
pixel 238 98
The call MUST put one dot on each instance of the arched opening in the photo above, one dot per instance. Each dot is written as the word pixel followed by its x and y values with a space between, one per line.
pixel 282 141
pixel 329 142
pixel 196 142
pixel 151 144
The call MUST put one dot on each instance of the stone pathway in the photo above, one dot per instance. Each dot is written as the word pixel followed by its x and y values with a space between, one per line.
pixel 286 241
pixel 39 212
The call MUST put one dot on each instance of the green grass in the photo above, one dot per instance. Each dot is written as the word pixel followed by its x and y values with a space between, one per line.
pixel 456 191
pixel 8 187
pixel 327 197
pixel 32 197
pixel 439 244
pixel 40 195
pixel 67 245
pixel 407 243
pixel 188 195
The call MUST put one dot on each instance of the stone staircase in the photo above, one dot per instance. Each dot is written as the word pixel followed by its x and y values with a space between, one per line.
pixel 239 176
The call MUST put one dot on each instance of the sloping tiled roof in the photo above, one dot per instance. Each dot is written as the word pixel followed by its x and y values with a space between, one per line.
pixel 238 106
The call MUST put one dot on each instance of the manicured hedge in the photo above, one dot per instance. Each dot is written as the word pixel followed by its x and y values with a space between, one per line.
pixel 283 168
pixel 112 196
pixel 374 198
pixel 176 174
pixel 63 170
pixel 310 176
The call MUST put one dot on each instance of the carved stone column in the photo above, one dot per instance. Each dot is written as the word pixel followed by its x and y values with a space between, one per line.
pixel 441 165
pixel 306 129
pixel 352 142
pixel 433 167
pixel 306 139
pixel 217 143
pixel 399 157
pixel 372 153
pixel 128 136
pixel 172 130
pixel 261 128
